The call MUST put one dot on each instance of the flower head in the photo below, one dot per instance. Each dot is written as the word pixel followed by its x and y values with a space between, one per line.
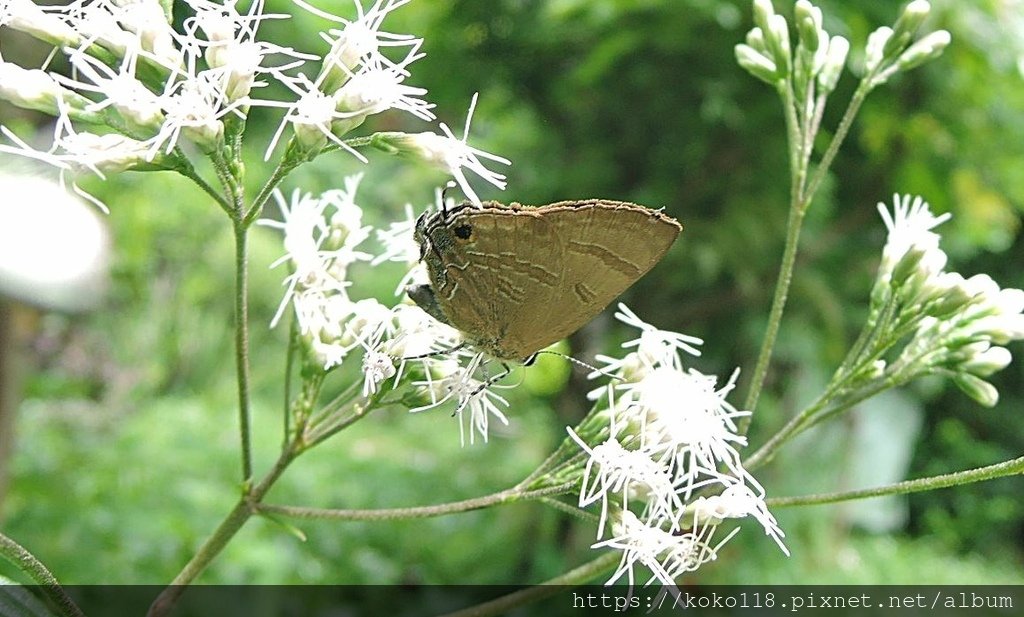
pixel 669 452
pixel 452 154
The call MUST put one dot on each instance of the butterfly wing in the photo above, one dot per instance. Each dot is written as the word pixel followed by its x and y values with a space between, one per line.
pixel 485 264
pixel 516 279
pixel 604 247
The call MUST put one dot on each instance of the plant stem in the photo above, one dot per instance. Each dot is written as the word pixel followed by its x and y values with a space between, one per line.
pixel 785 277
pixel 232 523
pixel 980 474
pixel 577 576
pixel 186 169
pixel 285 167
pixel 798 157
pixel 801 195
pixel 384 514
pixel 242 347
pixel 27 563
pixel 837 140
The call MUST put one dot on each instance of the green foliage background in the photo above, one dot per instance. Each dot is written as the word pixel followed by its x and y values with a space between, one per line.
pixel 127 438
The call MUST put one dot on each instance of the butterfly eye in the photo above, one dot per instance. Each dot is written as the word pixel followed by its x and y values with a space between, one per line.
pixel 463 231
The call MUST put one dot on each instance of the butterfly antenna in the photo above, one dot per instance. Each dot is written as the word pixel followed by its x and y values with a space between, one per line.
pixel 444 198
pixel 579 363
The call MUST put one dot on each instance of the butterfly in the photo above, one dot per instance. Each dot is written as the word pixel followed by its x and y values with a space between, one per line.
pixel 515 279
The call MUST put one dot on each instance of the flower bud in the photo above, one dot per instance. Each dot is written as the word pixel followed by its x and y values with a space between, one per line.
pixel 755 38
pixel 928 48
pixel 987 362
pixel 36 89
pixel 25 16
pixel 907 265
pixel 110 153
pixel 906 26
pixel 756 63
pixel 980 390
pixel 808 23
pixel 763 11
pixel 147 20
pixel 835 59
pixel 873 54
pixel 946 304
pixel 777 38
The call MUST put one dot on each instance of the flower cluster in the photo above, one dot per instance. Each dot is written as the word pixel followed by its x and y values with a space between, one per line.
pixel 322 238
pixel 141 89
pixel 949 325
pixel 665 468
pixel 813 68
pixel 767 52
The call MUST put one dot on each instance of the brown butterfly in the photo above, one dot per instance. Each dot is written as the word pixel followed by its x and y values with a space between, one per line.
pixel 515 279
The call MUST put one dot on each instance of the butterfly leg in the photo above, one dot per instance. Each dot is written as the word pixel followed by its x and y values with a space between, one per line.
pixel 432 354
pixel 488 381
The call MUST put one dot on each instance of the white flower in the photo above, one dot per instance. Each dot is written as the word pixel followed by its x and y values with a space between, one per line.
pixel 304 230
pixel 452 155
pixel 358 41
pixel 195 107
pixel 667 555
pixel 377 367
pixel 231 47
pixel 476 400
pixel 345 230
pixel 738 501
pixel 377 88
pixel 689 424
pixel 311 116
pixel 910 229
pixel 319 253
pixel 156 38
pixel 672 434
pixel 109 153
pixel 399 241
pixel 613 470
pixel 134 102
pixel 98 23
pixel 654 348
pixel 657 347
pixel 420 338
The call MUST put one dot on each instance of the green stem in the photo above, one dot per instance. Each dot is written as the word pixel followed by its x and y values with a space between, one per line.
pixel 325 426
pixel 833 148
pixel 798 169
pixel 821 409
pixel 242 347
pixel 27 563
pixel 186 169
pixel 386 514
pixel 285 167
pixel 801 197
pixel 785 277
pixel 990 472
pixel 766 451
pixel 577 576
pixel 293 343
pixel 232 523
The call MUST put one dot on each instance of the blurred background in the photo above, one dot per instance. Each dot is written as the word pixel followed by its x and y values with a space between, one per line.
pixel 125 450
